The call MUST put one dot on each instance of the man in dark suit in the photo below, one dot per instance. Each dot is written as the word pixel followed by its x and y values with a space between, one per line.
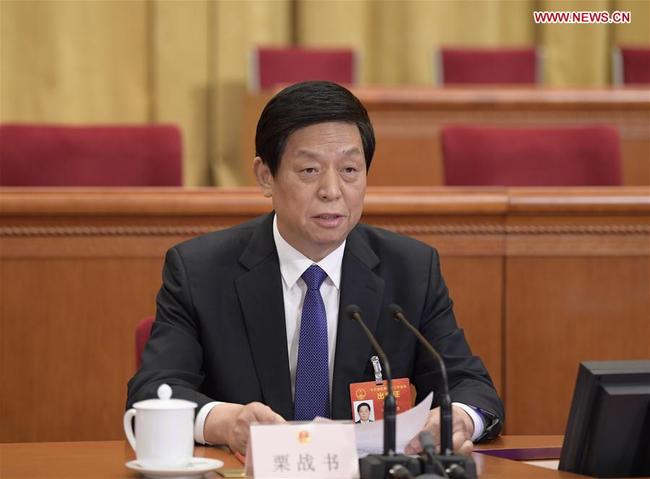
pixel 250 322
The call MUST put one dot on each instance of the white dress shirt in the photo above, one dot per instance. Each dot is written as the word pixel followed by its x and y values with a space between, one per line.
pixel 292 265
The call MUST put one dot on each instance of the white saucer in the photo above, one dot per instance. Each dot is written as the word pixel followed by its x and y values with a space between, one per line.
pixel 196 468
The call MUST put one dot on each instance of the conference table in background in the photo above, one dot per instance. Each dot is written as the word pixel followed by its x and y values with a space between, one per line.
pixel 407 123
pixel 106 459
pixel 541 279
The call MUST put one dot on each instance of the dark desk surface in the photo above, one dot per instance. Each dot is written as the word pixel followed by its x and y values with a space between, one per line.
pixel 106 459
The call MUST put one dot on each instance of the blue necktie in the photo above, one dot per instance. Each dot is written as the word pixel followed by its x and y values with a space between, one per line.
pixel 312 392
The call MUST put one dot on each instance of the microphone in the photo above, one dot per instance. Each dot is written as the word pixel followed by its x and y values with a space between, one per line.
pixel 432 466
pixel 453 465
pixel 390 406
pixel 428 446
pixel 379 465
pixel 446 444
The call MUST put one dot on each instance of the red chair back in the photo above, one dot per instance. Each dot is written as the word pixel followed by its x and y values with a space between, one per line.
pixel 142 333
pixel 531 157
pixel 636 65
pixel 488 66
pixel 46 155
pixel 273 66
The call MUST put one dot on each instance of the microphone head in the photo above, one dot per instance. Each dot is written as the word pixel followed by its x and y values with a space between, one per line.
pixel 353 311
pixel 395 310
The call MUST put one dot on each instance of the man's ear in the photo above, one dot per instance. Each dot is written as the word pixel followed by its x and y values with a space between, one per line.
pixel 263 176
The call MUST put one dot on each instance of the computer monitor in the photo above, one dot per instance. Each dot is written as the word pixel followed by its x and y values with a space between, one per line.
pixel 608 433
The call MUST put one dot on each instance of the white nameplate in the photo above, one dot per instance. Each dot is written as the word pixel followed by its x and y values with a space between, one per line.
pixel 304 449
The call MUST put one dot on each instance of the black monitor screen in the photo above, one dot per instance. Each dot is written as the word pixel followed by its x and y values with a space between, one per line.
pixel 608 433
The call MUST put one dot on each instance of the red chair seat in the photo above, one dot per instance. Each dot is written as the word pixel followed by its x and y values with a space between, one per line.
pixel 488 66
pixel 636 65
pixel 142 333
pixel 531 157
pixel 276 65
pixel 46 155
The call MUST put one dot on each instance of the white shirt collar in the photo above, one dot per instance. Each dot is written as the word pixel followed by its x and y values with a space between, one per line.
pixel 293 263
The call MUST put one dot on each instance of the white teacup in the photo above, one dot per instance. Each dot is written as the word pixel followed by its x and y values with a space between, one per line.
pixel 164 431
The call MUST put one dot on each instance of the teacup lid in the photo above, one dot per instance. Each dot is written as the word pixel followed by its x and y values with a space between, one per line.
pixel 164 401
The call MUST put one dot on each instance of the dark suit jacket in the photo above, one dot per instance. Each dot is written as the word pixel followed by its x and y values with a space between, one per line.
pixel 220 332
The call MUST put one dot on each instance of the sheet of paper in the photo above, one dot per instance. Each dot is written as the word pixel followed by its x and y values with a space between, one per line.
pixel 370 436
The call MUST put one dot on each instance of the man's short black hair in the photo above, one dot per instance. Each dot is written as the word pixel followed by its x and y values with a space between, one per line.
pixel 305 104
pixel 363 404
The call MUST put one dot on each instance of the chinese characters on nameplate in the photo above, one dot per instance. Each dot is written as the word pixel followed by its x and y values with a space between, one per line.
pixel 313 449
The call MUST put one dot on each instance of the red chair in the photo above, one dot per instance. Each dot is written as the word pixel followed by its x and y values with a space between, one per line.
pixel 531 157
pixel 47 155
pixel 276 65
pixel 631 66
pixel 488 66
pixel 142 333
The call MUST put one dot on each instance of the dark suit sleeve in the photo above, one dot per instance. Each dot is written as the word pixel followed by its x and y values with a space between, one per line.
pixel 173 354
pixel 469 381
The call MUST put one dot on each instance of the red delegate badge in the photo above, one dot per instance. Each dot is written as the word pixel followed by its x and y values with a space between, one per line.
pixel 367 399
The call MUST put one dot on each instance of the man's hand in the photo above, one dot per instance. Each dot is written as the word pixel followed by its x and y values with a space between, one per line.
pixel 230 423
pixel 462 430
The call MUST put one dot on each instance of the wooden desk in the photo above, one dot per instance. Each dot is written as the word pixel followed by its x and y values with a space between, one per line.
pixel 407 123
pixel 89 460
pixel 541 279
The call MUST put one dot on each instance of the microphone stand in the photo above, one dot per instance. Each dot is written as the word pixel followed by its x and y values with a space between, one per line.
pixel 379 466
pixel 454 465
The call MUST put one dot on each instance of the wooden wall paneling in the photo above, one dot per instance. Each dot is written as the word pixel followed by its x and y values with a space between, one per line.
pixel 562 310
pixel 635 151
pixel 79 268
pixel 68 341
pixel 476 287
pixel 408 150
pixel 96 254
pixel 577 289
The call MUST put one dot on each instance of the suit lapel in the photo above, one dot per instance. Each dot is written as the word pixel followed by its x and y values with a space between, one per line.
pixel 360 286
pixel 261 298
